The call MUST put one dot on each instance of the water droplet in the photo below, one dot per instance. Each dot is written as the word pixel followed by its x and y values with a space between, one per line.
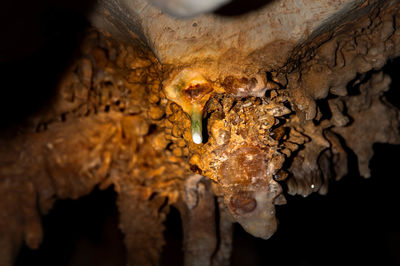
pixel 197 138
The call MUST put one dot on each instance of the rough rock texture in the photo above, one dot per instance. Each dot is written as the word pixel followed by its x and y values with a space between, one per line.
pixel 344 63
pixel 111 123
pixel 242 46
pixel 94 133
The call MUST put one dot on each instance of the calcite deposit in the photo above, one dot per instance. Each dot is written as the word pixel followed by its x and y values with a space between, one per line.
pixel 232 140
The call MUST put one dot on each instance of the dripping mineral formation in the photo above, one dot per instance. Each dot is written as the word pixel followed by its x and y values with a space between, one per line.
pixel 212 112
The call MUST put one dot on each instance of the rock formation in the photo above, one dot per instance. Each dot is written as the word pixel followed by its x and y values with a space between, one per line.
pixel 209 114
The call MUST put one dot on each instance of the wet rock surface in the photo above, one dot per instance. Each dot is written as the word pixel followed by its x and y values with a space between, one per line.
pixel 112 122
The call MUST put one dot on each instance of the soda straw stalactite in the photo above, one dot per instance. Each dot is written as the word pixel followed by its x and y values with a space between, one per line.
pixel 196 124
pixel 191 91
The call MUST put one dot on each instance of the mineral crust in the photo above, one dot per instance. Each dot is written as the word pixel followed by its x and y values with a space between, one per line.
pixel 113 122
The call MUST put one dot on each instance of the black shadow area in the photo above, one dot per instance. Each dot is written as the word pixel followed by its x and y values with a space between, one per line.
pixel 241 7
pixel 80 232
pixel 392 68
pixel 38 41
pixel 172 253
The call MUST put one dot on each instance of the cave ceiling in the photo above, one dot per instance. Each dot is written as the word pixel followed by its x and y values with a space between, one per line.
pixel 205 110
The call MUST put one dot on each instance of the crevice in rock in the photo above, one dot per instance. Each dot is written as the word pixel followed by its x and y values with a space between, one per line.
pixel 79 232
pixel 172 253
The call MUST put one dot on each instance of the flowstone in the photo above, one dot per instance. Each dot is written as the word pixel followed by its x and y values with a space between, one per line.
pixel 122 118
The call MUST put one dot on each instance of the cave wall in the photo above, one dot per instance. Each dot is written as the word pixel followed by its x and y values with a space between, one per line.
pixel 112 122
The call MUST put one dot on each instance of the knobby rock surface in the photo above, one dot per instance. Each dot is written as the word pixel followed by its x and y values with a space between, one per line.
pixel 111 124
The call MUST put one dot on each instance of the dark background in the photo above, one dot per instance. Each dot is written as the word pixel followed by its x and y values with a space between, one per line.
pixel 355 224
